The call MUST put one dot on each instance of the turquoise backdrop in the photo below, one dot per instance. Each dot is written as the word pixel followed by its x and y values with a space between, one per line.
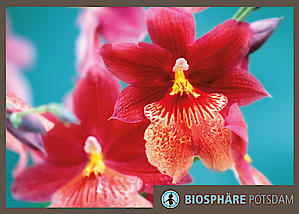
pixel 270 120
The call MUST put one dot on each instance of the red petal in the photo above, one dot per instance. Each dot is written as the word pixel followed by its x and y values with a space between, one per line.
pixel 124 152
pixel 236 123
pixel 239 86
pixel 123 141
pixel 259 178
pixel 242 168
pixel 145 65
pixel 244 64
pixel 64 145
pixel 94 98
pixel 112 189
pixel 132 100
pixel 171 28
pixel 218 52
pixel 40 181
pixel 184 126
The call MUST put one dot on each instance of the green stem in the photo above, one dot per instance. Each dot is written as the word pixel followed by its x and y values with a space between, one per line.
pixel 37 110
pixel 239 12
pixel 245 14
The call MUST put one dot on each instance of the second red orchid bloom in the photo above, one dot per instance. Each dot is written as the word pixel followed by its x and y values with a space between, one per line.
pixel 98 163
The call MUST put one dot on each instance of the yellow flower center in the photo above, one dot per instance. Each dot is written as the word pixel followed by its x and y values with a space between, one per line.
pixel 96 164
pixel 181 84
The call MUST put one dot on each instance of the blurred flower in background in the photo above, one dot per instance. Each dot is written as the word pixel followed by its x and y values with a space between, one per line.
pixel 20 55
pixel 98 25
pixel 111 24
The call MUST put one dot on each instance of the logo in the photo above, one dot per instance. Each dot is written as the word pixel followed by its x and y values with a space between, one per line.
pixel 170 199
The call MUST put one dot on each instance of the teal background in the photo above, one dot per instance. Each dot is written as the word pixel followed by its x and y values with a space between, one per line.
pixel 270 120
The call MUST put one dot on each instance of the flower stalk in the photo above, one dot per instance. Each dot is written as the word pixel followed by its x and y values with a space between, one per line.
pixel 242 13
pixel 54 108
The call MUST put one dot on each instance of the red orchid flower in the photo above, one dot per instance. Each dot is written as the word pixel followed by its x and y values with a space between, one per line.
pixel 113 24
pixel 98 163
pixel 15 145
pixel 181 85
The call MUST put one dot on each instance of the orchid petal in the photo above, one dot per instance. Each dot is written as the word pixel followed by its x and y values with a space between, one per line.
pixel 19 50
pixel 129 156
pixel 259 177
pixel 17 83
pixel 218 52
pixel 173 138
pixel 242 168
pixel 149 174
pixel 88 41
pixel 94 98
pixel 123 142
pixel 40 181
pixel 111 189
pixel 14 145
pixel 236 123
pixel 244 64
pixel 64 144
pixel 132 100
pixel 122 24
pixel 171 28
pixel 146 65
pixel 239 86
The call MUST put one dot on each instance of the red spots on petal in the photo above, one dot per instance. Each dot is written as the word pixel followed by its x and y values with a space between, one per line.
pixel 168 146
pixel 183 127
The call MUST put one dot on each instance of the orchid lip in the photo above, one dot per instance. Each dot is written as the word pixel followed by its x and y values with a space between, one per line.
pixel 96 164
pixel 181 84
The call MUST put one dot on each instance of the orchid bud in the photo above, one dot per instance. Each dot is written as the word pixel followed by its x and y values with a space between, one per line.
pixel 31 123
pixel 30 139
pixel 262 30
